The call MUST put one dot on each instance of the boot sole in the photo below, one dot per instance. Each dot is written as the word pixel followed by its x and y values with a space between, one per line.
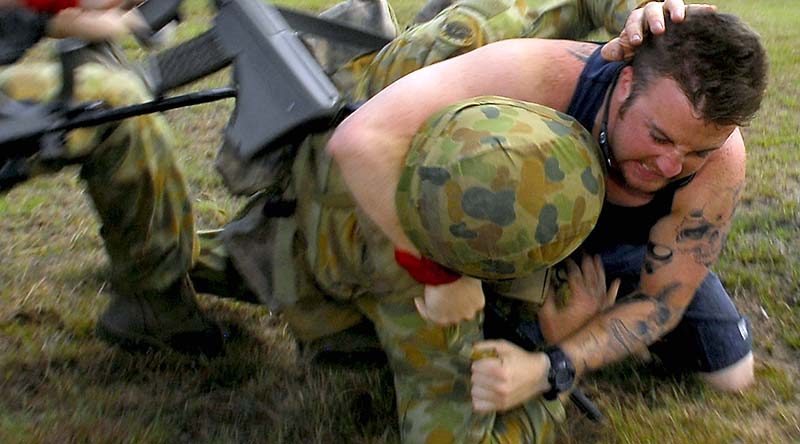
pixel 206 342
pixel 128 341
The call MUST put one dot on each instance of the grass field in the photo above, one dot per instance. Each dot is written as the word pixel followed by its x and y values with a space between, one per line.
pixel 59 384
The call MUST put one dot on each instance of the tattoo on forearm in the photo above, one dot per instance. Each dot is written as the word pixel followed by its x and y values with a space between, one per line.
pixel 629 340
pixel 625 336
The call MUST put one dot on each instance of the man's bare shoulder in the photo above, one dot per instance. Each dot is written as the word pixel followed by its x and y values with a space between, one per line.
pixel 692 235
pixel 574 51
pixel 543 71
pixel 726 165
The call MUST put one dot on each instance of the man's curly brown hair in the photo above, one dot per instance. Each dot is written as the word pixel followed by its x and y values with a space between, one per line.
pixel 716 59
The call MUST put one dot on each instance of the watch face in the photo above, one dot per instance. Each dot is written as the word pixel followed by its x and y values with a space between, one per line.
pixel 563 376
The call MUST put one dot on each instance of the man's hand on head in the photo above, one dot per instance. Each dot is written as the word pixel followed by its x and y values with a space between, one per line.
pixel 647 18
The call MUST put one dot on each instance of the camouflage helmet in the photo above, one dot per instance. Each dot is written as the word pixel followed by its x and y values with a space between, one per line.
pixel 496 188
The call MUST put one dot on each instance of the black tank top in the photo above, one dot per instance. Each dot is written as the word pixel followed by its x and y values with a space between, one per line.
pixel 617 224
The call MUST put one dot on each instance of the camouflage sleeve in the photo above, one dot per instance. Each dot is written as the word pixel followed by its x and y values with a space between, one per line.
pixel 469 24
pixel 575 19
pixel 608 14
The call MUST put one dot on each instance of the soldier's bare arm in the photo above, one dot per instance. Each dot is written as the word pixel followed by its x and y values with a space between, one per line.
pixel 371 144
pixel 94 24
pixel 48 6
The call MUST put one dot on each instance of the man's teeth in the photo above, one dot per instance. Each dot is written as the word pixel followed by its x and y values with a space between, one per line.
pixel 644 165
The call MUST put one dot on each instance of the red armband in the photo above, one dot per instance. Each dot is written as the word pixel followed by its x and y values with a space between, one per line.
pixel 50 6
pixel 424 270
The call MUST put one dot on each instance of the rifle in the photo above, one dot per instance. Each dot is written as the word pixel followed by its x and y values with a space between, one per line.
pixel 281 93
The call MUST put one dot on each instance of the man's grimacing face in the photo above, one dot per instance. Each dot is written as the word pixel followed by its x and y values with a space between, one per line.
pixel 658 139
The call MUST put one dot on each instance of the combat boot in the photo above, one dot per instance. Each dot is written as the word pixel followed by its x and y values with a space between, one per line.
pixel 160 320
pixel 355 347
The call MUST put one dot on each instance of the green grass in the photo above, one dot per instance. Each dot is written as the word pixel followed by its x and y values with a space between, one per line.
pixel 58 384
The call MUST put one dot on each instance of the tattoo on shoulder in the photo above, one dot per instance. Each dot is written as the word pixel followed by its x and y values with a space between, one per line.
pixel 582 51
pixel 702 233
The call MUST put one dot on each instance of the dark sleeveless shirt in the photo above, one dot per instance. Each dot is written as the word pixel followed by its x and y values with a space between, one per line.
pixel 617 224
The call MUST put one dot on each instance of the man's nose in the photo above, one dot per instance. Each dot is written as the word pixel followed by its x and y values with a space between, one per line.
pixel 670 164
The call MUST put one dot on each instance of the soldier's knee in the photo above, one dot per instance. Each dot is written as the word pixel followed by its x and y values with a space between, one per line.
pixel 114 86
pixel 734 378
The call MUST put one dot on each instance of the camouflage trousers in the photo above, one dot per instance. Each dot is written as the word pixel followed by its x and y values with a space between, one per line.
pixel 131 176
pixel 431 367
pixel 339 268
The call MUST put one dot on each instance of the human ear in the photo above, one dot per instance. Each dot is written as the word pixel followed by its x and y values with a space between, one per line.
pixel 625 83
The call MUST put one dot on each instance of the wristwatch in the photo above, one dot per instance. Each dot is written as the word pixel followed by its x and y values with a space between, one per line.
pixel 561 375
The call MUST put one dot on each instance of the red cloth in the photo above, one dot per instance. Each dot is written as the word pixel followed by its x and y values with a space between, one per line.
pixel 51 6
pixel 424 270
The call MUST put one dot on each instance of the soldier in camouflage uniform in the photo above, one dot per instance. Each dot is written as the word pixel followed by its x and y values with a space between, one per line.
pixel 137 189
pixel 456 174
pixel 469 24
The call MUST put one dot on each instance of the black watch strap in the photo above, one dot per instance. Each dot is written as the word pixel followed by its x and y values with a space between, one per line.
pixel 561 375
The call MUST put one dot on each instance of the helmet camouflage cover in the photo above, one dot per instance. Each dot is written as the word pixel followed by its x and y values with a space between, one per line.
pixel 496 188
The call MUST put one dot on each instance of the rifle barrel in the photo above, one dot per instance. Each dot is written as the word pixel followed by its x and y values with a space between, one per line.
pixel 586 405
pixel 101 116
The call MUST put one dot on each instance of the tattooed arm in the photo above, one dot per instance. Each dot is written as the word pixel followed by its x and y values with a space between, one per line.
pixel 683 245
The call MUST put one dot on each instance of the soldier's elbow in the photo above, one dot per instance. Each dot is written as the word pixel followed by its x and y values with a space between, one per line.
pixel 344 141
